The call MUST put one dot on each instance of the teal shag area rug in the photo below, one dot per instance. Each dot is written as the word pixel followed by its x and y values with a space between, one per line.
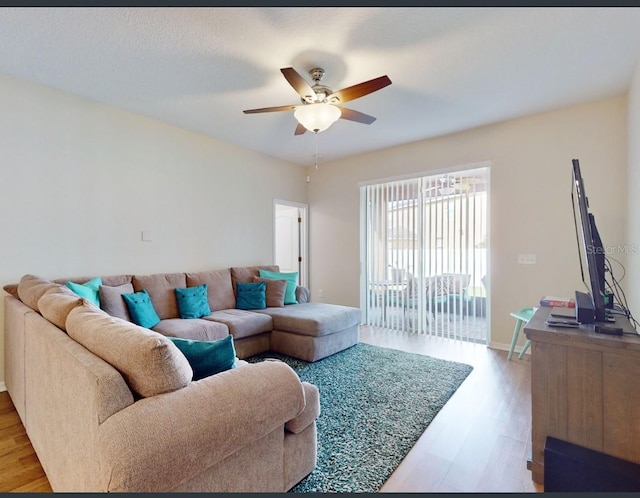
pixel 374 405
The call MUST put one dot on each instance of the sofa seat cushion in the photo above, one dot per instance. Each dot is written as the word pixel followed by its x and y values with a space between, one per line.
pixel 197 329
pixel 313 319
pixel 242 323
pixel 149 362
pixel 161 287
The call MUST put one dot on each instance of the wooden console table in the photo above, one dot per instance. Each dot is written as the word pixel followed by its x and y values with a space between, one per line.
pixel 585 389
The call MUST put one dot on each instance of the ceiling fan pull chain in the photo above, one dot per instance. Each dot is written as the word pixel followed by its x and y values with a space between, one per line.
pixel 316 154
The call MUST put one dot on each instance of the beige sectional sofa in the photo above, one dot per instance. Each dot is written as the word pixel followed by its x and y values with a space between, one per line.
pixel 111 406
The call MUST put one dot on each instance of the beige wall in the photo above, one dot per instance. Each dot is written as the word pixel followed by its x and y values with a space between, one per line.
pixel 633 211
pixel 530 205
pixel 79 181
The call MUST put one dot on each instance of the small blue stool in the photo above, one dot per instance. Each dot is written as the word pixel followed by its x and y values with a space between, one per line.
pixel 522 316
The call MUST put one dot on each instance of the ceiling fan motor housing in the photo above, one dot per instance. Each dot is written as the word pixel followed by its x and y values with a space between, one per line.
pixel 321 91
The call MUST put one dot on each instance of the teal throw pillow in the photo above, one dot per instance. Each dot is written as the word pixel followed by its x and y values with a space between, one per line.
pixel 88 290
pixel 251 296
pixel 207 357
pixel 292 283
pixel 192 301
pixel 141 309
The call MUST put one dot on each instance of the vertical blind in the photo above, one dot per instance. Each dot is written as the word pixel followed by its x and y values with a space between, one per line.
pixel 425 252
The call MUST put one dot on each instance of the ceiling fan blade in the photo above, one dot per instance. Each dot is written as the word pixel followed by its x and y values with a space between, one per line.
pixel 271 109
pixel 298 82
pixel 360 90
pixel 300 129
pixel 357 116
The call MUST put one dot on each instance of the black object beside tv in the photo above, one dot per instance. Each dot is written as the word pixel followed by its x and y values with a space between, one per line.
pixel 590 307
pixel 572 468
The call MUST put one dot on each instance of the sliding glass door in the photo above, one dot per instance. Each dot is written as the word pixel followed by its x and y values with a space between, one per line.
pixel 424 251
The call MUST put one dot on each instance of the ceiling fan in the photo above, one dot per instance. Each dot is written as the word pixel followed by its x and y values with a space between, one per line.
pixel 321 106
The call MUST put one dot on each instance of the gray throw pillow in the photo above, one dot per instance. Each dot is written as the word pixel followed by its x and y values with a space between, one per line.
pixel 276 290
pixel 112 302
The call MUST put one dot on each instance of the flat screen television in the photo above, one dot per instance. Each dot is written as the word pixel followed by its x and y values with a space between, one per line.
pixel 590 248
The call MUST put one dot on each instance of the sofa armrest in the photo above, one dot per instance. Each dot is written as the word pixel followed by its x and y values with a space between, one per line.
pixel 310 412
pixel 303 295
pixel 167 439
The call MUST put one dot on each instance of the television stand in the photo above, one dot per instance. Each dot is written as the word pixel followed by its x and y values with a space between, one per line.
pixel 584 389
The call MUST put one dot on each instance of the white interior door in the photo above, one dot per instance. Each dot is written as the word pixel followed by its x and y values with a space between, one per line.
pixel 290 238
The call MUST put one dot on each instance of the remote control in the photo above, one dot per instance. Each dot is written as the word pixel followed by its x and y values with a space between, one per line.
pixel 603 329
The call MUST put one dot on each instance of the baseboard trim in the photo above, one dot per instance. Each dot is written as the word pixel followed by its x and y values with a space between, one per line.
pixel 505 347
pixel 3 387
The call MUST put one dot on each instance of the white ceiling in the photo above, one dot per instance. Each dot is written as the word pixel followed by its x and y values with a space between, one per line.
pixel 199 68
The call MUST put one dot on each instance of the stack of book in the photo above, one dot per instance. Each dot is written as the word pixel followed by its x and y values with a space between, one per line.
pixel 560 302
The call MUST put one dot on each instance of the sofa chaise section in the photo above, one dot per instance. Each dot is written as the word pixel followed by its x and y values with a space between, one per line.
pixel 312 331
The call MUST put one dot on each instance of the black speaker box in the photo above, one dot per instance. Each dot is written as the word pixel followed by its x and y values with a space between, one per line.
pixel 585 310
pixel 569 467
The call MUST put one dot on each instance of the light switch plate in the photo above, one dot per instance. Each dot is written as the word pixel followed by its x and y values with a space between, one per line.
pixel 527 259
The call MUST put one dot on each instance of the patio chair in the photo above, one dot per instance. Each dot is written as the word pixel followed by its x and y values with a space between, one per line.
pixel 457 285
pixel 436 293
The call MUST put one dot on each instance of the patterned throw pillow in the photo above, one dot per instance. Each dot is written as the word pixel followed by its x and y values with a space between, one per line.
pixel 141 309
pixel 251 296
pixel 192 301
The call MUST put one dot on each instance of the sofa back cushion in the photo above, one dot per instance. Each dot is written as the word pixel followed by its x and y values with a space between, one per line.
pixel 149 362
pixel 11 289
pixel 31 288
pixel 219 289
pixel 56 304
pixel 106 280
pixel 161 288
pixel 246 274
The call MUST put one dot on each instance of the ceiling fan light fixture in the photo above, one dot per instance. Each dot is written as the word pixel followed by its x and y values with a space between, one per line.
pixel 318 116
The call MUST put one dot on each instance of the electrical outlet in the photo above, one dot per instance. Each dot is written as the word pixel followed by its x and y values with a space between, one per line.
pixel 526 259
pixel 320 293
